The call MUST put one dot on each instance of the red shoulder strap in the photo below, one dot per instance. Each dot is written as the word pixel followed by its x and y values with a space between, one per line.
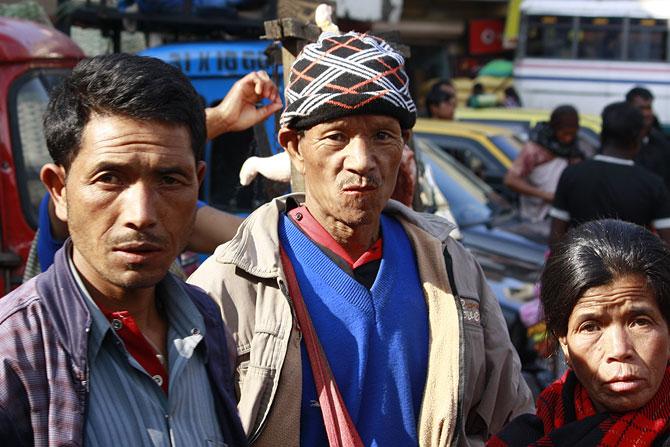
pixel 339 426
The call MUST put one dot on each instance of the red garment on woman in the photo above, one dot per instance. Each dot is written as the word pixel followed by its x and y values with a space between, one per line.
pixel 566 417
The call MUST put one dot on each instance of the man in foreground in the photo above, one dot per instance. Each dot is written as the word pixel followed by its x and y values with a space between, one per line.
pixel 236 112
pixel 415 361
pixel 106 348
pixel 611 185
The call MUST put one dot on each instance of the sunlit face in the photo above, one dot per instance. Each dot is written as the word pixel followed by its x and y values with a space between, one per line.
pixel 129 201
pixel 350 166
pixel 446 109
pixel 617 344
pixel 645 107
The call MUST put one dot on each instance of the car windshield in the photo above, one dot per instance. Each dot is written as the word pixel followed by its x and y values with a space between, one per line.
pixel 510 145
pixel 28 98
pixel 471 200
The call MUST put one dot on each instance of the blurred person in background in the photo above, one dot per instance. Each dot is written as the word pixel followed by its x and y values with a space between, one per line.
pixel 535 172
pixel 611 185
pixel 511 98
pixel 441 100
pixel 655 149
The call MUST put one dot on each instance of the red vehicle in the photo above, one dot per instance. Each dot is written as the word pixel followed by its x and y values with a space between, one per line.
pixel 33 59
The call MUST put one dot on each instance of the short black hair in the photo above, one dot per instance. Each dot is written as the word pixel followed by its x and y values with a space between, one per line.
pixel 141 88
pixel 595 254
pixel 441 83
pixel 563 116
pixel 622 125
pixel 639 92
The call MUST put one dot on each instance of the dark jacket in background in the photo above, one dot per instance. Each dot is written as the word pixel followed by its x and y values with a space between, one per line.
pixel 654 155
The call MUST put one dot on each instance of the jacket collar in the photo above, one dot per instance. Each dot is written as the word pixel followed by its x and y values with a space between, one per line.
pixel 254 247
pixel 64 303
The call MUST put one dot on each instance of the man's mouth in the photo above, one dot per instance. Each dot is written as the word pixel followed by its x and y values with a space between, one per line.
pixel 137 252
pixel 359 188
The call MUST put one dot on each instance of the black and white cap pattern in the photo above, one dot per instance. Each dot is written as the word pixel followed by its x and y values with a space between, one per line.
pixel 348 74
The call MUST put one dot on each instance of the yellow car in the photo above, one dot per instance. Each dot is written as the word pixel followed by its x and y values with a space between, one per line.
pixel 486 150
pixel 521 120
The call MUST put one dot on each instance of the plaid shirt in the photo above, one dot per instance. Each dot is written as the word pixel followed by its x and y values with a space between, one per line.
pixel 44 329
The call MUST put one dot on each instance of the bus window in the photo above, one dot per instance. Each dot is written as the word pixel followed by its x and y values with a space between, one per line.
pixel 648 40
pixel 549 36
pixel 600 38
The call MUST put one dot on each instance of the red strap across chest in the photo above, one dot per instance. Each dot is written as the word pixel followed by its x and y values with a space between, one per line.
pixel 340 428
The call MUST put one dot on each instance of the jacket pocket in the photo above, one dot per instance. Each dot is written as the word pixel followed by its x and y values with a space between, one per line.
pixel 255 387
pixel 475 368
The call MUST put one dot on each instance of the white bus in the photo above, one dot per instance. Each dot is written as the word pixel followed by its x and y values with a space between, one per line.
pixel 589 53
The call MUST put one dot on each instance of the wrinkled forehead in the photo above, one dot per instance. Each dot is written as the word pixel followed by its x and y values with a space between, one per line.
pixel 114 136
pixel 630 293
pixel 357 123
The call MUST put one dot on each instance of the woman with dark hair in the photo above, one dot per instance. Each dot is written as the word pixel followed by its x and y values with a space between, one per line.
pixel 606 297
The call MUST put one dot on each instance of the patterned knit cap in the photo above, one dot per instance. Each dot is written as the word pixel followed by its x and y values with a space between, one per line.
pixel 344 75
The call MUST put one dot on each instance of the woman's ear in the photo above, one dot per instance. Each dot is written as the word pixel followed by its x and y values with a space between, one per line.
pixel 53 178
pixel 563 342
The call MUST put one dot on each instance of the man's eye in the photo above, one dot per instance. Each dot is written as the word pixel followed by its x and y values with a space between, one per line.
pixel 109 178
pixel 383 136
pixel 336 137
pixel 170 180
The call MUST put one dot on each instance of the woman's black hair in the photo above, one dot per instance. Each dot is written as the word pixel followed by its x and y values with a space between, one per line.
pixel 595 254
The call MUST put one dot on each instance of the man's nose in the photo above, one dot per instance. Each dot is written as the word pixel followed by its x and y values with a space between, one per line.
pixel 618 344
pixel 139 206
pixel 359 156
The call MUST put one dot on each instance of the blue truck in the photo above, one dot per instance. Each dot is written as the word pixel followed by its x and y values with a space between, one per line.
pixel 213 67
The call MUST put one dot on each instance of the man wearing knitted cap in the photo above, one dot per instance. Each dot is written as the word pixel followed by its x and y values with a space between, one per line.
pixel 343 281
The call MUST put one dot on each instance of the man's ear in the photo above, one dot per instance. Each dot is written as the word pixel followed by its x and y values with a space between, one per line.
pixel 201 169
pixel 53 178
pixel 289 139
pixel 406 135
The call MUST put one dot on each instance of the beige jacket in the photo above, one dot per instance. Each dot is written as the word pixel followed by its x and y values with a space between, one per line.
pixel 473 387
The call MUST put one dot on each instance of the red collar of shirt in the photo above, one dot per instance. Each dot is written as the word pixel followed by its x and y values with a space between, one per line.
pixel 137 345
pixel 313 229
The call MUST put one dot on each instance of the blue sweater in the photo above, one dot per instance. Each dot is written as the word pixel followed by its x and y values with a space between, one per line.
pixel 376 340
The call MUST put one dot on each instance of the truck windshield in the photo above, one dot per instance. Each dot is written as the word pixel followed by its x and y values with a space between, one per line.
pixel 28 98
